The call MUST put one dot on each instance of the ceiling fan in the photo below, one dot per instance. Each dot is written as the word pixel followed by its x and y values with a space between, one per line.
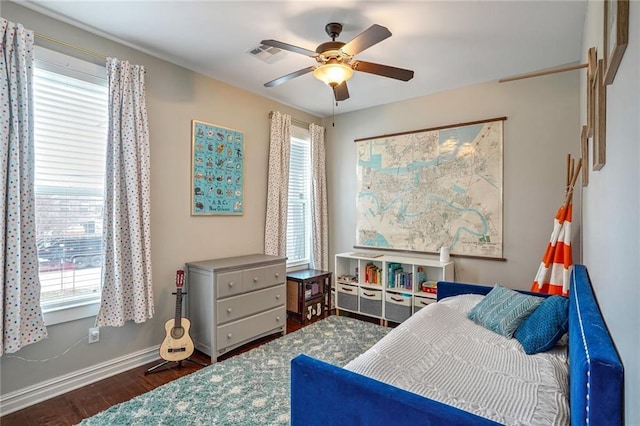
pixel 336 59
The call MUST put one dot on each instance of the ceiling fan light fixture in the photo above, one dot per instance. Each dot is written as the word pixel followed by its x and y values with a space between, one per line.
pixel 335 63
pixel 333 74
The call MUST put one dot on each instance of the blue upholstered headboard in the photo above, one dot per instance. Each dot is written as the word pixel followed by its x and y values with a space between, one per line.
pixel 595 370
pixel 323 394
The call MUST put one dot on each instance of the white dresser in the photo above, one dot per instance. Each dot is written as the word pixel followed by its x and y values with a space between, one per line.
pixel 235 300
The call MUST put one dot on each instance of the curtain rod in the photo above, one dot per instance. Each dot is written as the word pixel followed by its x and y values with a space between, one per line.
pixel 297 122
pixel 71 46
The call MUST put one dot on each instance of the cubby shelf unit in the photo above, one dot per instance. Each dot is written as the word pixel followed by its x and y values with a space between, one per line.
pixel 385 286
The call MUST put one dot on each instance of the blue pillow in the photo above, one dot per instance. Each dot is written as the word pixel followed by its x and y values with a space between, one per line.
pixel 503 310
pixel 542 330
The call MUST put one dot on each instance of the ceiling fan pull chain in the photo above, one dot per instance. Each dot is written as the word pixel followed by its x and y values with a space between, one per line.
pixel 333 114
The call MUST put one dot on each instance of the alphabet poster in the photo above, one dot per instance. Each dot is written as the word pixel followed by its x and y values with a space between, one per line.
pixel 216 179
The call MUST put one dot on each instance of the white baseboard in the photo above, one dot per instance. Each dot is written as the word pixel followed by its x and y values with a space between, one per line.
pixel 34 394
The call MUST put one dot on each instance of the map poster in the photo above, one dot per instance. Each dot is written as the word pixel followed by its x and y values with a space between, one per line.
pixel 216 170
pixel 419 191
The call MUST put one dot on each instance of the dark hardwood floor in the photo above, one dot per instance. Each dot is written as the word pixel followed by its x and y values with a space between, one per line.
pixel 72 407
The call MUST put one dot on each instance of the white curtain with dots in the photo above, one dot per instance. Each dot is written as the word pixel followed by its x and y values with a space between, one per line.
pixel 319 221
pixel 126 274
pixel 20 313
pixel 275 233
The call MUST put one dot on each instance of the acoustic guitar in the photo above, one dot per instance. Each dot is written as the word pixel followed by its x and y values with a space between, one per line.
pixel 177 345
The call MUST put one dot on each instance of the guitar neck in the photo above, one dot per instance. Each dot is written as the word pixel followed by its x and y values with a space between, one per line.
pixel 178 317
pixel 179 283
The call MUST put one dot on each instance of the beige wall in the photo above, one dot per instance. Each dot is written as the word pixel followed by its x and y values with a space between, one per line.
pixel 175 96
pixel 612 206
pixel 542 127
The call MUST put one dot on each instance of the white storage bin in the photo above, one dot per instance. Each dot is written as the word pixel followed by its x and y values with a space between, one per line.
pixel 371 301
pixel 420 302
pixel 347 297
pixel 397 306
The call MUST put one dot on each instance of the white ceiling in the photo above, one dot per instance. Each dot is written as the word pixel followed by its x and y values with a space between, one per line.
pixel 448 44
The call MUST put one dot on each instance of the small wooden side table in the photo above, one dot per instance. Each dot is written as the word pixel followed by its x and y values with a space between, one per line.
pixel 308 294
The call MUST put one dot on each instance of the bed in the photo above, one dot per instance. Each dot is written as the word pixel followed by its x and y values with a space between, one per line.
pixel 324 394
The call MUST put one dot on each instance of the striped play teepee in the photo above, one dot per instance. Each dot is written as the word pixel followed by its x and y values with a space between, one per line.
pixel 554 273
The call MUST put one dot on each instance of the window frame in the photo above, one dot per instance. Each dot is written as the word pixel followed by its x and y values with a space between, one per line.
pixel 301 135
pixel 63 64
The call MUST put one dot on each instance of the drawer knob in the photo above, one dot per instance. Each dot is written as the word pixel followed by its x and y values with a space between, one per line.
pixel 277 274
pixel 255 279
pixel 229 336
pixel 229 310
pixel 278 319
pixel 278 296
pixel 230 283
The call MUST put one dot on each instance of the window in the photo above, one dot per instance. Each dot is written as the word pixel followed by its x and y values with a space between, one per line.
pixel 299 209
pixel 70 132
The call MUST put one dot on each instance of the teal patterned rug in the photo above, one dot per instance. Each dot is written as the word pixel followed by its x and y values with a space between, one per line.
pixel 248 389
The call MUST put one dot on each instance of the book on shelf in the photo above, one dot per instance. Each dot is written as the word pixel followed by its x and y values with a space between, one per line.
pixel 392 268
pixel 402 279
pixel 372 274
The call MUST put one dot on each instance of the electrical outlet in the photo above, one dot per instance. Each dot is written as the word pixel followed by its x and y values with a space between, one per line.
pixel 94 335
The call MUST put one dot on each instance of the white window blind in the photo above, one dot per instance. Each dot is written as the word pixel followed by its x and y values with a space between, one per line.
pixel 299 209
pixel 70 131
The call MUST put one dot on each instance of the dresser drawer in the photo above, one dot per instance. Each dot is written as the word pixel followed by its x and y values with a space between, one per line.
pixel 247 328
pixel 276 274
pixel 255 279
pixel 242 305
pixel 229 283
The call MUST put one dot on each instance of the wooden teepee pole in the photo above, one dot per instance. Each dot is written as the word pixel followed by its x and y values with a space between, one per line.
pixel 574 177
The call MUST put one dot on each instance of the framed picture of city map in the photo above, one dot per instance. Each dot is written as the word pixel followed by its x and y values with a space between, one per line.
pixel 419 191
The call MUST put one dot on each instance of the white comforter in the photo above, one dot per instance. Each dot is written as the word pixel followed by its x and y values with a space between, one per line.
pixel 441 354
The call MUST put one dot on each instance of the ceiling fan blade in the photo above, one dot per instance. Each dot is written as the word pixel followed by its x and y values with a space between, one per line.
pixel 278 81
pixel 340 92
pixel 289 47
pixel 372 35
pixel 383 70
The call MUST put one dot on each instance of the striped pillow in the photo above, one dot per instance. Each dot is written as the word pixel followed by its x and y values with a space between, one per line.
pixel 503 310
